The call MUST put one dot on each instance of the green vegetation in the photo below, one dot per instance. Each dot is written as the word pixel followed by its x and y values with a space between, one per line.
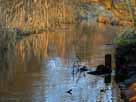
pixel 127 36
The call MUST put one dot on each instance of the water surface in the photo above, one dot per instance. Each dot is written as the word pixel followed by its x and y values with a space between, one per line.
pixel 39 69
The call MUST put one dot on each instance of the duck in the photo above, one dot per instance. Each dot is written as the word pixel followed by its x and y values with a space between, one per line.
pixel 83 69
pixel 101 70
pixel 69 91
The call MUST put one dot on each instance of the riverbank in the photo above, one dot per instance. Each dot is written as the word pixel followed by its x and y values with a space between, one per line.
pixel 37 15
pixel 126 64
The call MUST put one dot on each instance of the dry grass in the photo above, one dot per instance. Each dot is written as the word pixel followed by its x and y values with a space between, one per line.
pixel 37 14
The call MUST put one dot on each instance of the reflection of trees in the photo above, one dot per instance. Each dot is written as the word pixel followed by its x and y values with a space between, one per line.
pixel 44 45
pixel 83 41
pixel 7 45
pixel 3 59
pixel 7 65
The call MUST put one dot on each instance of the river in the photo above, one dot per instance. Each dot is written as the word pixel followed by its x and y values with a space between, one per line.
pixel 39 69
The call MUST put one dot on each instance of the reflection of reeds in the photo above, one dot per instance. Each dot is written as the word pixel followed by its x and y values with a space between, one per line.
pixel 7 44
pixel 7 53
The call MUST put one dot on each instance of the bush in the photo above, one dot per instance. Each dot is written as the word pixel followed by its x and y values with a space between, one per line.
pixel 128 36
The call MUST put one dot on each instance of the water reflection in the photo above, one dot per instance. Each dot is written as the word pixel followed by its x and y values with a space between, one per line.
pixel 41 66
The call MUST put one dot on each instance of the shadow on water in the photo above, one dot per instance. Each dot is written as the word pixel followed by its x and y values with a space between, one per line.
pixel 7 63
pixel 7 56
pixel 39 67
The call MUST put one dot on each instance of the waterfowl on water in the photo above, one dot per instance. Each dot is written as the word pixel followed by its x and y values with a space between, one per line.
pixel 69 91
pixel 101 70
pixel 79 68
pixel 83 69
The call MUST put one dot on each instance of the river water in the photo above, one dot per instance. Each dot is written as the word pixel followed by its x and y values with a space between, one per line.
pixel 39 69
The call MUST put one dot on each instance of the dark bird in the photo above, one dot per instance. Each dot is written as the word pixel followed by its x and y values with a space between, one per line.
pixel 101 70
pixel 102 90
pixel 83 69
pixel 69 91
